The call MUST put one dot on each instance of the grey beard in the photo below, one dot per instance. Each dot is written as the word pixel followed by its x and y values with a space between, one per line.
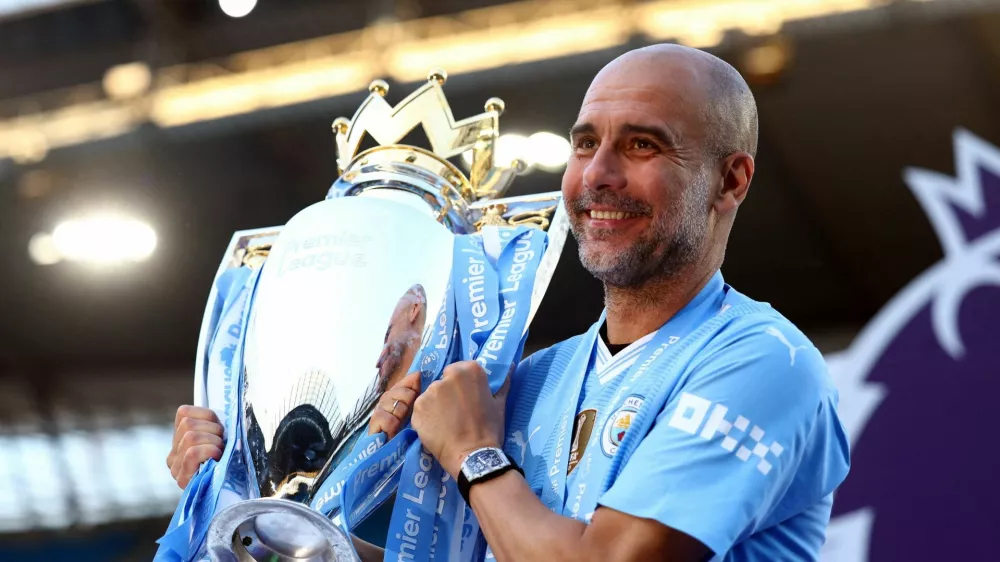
pixel 661 253
pixel 656 255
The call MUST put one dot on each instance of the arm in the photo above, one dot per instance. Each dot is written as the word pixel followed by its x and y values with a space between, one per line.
pixel 518 527
pixel 367 552
pixel 457 415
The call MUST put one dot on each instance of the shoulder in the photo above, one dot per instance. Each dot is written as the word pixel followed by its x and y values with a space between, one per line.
pixel 759 365
pixel 767 351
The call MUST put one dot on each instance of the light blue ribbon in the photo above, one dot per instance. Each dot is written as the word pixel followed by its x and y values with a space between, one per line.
pixel 487 306
pixel 492 314
pixel 186 532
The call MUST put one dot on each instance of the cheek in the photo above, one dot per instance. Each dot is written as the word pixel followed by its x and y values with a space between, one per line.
pixel 661 187
pixel 572 179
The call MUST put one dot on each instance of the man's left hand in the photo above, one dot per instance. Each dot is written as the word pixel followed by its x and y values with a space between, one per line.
pixel 458 414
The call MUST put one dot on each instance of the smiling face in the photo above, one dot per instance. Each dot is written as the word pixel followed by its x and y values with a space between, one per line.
pixel 639 186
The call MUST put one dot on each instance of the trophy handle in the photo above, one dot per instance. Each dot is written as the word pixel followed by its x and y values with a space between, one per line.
pixel 247 247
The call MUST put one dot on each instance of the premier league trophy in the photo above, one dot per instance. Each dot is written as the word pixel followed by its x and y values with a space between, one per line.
pixel 407 265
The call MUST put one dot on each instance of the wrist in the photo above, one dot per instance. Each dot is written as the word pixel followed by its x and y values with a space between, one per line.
pixel 458 459
pixel 482 466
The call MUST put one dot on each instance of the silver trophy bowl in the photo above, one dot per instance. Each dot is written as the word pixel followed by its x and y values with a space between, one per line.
pixel 339 315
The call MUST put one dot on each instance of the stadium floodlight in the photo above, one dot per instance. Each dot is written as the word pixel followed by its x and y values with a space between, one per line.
pixel 103 239
pixel 543 149
pixel 548 151
pixel 237 8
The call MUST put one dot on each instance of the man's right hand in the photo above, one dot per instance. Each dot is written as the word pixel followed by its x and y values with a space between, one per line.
pixel 197 438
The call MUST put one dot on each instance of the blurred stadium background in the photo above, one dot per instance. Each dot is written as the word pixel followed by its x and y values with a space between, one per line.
pixel 137 135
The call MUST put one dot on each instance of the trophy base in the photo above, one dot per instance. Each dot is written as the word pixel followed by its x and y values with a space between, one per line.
pixel 275 530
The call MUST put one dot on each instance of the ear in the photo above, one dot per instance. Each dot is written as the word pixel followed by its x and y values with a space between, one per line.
pixel 415 312
pixel 737 172
pixel 419 300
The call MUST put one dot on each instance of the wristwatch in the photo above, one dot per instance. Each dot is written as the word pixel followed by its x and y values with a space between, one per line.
pixel 482 465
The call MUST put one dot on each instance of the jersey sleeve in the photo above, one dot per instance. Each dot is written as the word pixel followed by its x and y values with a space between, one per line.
pixel 751 432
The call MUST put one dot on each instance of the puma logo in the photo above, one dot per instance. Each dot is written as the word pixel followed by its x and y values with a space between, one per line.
pixel 792 350
pixel 518 438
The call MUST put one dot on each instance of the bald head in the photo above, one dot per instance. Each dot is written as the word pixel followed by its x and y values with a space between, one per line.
pixel 708 85
pixel 665 141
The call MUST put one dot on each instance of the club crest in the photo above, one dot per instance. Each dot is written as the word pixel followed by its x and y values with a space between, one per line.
pixel 918 385
pixel 618 423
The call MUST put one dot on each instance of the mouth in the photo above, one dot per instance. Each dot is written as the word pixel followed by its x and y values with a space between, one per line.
pixel 605 215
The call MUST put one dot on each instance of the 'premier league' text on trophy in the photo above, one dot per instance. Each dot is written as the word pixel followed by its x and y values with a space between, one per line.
pixel 408 264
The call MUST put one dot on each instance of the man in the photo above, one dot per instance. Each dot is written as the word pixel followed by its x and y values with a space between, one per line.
pixel 690 423
pixel 744 454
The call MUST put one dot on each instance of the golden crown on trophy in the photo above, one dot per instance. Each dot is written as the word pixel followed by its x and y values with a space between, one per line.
pixel 464 203
pixel 427 106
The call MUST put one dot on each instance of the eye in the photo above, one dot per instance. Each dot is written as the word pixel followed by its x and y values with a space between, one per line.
pixel 584 144
pixel 643 144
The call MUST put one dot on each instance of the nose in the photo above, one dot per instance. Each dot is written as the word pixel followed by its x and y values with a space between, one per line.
pixel 604 170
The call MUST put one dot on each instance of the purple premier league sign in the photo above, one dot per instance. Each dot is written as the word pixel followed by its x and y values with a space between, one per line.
pixel 920 386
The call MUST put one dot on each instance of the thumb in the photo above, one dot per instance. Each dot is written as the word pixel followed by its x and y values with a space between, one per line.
pixel 501 394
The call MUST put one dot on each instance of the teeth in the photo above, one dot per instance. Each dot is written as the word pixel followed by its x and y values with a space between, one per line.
pixel 610 215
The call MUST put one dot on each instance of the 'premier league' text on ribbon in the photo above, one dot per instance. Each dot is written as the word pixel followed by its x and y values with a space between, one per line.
pixel 411 527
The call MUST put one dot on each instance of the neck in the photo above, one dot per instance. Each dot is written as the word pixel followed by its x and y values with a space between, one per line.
pixel 636 311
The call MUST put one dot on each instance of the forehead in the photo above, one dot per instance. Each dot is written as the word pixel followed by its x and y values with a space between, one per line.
pixel 641 94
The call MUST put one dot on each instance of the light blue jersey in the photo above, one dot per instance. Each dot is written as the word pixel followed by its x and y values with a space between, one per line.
pixel 722 425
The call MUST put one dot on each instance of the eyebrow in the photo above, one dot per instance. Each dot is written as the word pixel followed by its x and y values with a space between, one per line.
pixel 581 129
pixel 662 135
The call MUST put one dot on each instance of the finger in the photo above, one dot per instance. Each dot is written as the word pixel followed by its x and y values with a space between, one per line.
pixel 405 395
pixel 193 439
pixel 195 412
pixel 192 425
pixel 385 422
pixel 192 459
pixel 411 381
pixel 418 410
pixel 501 395
pixel 462 369
pixel 401 393
pixel 181 467
pixel 397 408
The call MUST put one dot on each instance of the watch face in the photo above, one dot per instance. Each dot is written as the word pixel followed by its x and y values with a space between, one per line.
pixel 482 462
